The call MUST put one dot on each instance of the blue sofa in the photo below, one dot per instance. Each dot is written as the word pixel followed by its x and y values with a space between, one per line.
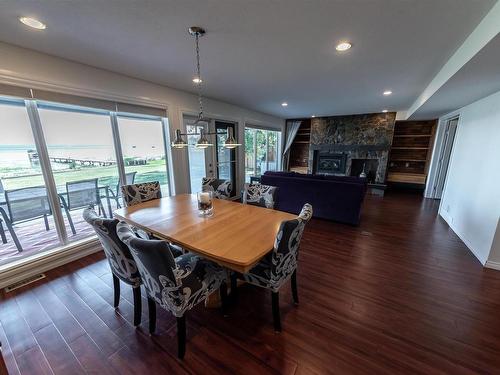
pixel 337 198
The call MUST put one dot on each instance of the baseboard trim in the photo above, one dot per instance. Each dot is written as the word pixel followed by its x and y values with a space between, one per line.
pixel 447 218
pixel 492 265
pixel 46 262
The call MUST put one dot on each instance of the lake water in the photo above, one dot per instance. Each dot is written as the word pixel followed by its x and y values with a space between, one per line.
pixel 14 158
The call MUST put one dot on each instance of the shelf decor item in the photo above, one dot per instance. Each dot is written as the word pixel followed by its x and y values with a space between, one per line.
pixel 205 203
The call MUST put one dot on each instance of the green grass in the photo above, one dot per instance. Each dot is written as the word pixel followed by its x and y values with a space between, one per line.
pixel 154 170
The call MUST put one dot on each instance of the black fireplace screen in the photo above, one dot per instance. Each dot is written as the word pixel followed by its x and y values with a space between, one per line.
pixel 331 163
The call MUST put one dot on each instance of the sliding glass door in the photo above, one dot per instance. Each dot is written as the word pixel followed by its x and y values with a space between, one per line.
pixel 262 151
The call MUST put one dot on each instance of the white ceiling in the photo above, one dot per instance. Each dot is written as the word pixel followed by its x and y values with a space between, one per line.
pixel 477 79
pixel 258 53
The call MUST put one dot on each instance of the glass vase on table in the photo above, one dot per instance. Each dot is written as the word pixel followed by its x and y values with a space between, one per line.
pixel 205 203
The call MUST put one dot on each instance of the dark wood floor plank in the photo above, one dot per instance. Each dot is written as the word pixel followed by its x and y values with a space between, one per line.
pixel 62 319
pixel 91 357
pixel 58 354
pixel 8 356
pixel 34 361
pixel 32 311
pixel 16 329
pixel 95 328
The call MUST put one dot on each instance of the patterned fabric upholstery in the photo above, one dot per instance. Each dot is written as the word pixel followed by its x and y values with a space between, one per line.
pixel 222 188
pixel 260 195
pixel 138 193
pixel 275 269
pixel 120 260
pixel 176 284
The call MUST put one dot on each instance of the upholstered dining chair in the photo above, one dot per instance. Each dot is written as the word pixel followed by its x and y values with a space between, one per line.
pixel 260 195
pixel 222 189
pixel 281 264
pixel 120 260
pixel 144 192
pixel 139 193
pixel 176 284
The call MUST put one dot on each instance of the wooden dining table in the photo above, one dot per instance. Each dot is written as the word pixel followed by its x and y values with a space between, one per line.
pixel 237 236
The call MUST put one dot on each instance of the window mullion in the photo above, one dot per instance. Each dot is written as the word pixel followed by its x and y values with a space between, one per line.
pixel 118 148
pixel 168 159
pixel 46 167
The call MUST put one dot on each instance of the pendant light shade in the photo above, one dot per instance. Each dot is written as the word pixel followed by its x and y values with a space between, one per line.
pixel 178 141
pixel 203 142
pixel 231 141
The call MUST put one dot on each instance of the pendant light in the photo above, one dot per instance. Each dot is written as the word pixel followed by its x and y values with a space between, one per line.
pixel 201 121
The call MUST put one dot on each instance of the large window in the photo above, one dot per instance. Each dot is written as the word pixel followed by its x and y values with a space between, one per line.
pixel 82 156
pixel 26 221
pixel 56 160
pixel 197 166
pixel 262 151
pixel 144 153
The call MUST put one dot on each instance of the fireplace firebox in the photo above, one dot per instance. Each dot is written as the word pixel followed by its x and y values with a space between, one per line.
pixel 330 163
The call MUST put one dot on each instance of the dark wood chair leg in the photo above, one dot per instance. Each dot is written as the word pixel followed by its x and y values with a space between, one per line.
pixel 137 305
pixel 116 288
pixel 234 287
pixel 276 311
pixel 181 337
pixel 223 298
pixel 295 293
pixel 152 315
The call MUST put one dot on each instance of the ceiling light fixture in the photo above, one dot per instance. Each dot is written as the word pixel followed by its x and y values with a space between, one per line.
pixel 387 92
pixel 313 116
pixel 33 22
pixel 284 104
pixel 385 111
pixel 201 122
pixel 343 46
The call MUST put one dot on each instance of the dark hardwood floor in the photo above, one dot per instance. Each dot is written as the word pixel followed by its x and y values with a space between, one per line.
pixel 398 294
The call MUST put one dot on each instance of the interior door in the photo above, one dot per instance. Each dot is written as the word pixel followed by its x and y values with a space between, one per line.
pixel 225 157
pixel 444 157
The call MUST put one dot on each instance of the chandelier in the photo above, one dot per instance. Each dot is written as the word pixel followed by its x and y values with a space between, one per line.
pixel 201 120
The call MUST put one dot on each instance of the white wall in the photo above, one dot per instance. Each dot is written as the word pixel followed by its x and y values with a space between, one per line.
pixel 471 200
pixel 29 68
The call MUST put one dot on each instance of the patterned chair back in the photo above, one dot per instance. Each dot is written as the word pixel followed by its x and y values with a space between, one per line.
pixel 175 284
pixel 139 193
pixel 120 260
pixel 286 246
pixel 222 189
pixel 260 195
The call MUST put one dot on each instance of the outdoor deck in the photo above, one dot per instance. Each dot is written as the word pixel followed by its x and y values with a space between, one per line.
pixel 34 238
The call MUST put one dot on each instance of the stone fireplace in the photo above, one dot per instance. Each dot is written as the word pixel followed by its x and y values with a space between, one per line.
pixel 351 142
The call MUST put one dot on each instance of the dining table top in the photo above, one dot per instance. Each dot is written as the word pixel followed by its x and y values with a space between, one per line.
pixel 237 236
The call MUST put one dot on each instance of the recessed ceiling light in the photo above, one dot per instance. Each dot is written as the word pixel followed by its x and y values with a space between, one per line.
pixel 387 92
pixel 313 116
pixel 343 46
pixel 284 104
pixel 197 80
pixel 32 22
pixel 385 111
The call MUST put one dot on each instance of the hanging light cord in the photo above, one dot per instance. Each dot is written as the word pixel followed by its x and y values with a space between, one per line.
pixel 198 72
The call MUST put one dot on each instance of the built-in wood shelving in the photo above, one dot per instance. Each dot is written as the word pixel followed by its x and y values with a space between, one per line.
pixel 299 152
pixel 411 152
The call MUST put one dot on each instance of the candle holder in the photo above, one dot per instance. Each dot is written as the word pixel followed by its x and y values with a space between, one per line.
pixel 205 203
